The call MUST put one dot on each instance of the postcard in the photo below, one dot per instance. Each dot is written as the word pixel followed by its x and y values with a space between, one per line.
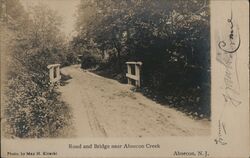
pixel 124 78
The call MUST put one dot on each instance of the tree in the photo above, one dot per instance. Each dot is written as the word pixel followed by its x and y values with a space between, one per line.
pixel 171 38
pixel 31 107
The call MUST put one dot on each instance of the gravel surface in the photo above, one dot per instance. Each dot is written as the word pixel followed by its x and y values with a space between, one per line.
pixel 106 108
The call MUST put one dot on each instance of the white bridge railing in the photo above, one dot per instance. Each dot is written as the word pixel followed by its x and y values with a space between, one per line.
pixel 136 76
pixel 54 73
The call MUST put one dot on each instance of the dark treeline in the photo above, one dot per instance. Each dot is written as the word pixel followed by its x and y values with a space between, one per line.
pixel 32 40
pixel 170 37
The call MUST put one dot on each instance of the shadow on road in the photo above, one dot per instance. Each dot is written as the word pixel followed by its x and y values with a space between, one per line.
pixel 65 79
pixel 173 101
pixel 111 75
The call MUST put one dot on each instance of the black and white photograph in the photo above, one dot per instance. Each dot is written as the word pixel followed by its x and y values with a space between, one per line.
pixel 116 69
pixel 127 69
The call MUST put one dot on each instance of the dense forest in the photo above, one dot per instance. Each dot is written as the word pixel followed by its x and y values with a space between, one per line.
pixel 170 37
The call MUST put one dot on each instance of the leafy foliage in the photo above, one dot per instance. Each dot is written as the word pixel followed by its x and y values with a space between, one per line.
pixel 33 40
pixel 171 38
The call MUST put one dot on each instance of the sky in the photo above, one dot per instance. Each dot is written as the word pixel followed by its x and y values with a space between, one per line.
pixel 65 8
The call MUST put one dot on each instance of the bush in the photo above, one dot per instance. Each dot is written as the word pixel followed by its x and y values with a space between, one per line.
pixel 32 108
pixel 171 38
pixel 90 61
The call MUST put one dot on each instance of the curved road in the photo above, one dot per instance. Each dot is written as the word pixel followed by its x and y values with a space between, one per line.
pixel 105 108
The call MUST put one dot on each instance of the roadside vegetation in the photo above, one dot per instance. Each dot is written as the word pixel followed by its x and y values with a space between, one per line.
pixel 32 40
pixel 171 38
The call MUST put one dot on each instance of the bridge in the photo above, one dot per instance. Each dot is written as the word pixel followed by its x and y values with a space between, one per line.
pixel 104 107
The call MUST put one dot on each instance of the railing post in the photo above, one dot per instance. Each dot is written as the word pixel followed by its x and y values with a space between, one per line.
pixel 51 74
pixel 54 73
pixel 129 72
pixel 58 72
pixel 137 74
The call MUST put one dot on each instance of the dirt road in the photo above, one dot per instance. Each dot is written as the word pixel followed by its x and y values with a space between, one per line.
pixel 105 108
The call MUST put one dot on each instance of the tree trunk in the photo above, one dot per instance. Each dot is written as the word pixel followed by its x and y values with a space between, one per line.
pixel 118 56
